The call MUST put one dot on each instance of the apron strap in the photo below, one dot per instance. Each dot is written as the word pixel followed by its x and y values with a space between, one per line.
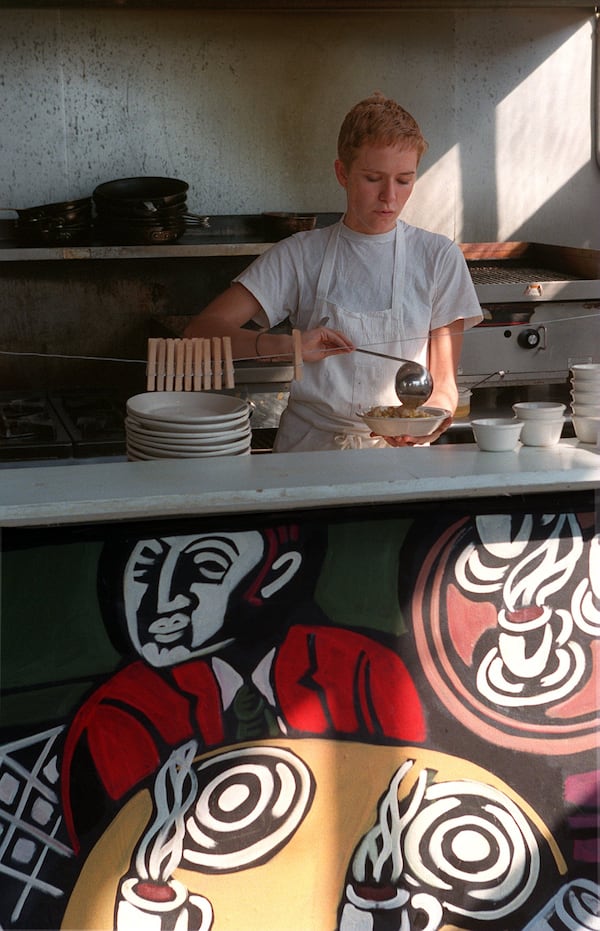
pixel 328 265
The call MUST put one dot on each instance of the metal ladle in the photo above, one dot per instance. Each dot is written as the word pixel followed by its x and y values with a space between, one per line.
pixel 413 383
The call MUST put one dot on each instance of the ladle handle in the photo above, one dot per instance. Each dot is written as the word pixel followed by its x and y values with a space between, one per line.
pixel 382 355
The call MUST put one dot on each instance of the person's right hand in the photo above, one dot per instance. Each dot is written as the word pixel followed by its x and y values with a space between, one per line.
pixel 322 342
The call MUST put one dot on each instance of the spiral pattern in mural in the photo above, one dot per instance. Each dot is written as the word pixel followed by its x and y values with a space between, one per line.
pixel 472 846
pixel 250 802
pixel 578 906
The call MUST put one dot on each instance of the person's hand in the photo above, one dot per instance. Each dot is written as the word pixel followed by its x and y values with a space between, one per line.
pixel 418 440
pixel 322 342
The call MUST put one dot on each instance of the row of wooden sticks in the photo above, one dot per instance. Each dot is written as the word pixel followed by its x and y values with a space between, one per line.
pixel 199 364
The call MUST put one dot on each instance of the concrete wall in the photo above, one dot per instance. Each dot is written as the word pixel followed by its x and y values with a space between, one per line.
pixel 246 108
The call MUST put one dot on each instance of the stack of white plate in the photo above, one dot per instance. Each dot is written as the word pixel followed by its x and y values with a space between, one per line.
pixel 585 401
pixel 186 425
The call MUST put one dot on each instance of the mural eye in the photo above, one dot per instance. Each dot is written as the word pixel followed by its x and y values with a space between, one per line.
pixel 142 573
pixel 146 561
pixel 211 567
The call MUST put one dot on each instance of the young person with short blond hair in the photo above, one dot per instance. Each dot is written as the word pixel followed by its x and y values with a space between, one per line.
pixel 369 280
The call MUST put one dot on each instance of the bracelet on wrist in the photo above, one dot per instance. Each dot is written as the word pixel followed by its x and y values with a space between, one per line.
pixel 257 348
pixel 258 336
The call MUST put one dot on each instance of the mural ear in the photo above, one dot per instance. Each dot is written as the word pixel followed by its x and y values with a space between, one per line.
pixel 283 569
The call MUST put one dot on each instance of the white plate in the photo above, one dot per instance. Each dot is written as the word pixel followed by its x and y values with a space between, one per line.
pixel 135 454
pixel 406 426
pixel 176 440
pixel 197 429
pixel 191 407
pixel 158 452
pixel 189 448
pixel 133 425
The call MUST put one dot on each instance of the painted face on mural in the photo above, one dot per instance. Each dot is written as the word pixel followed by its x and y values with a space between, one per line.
pixel 177 591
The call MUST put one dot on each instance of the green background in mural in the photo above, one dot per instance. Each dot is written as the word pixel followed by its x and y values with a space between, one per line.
pixel 358 586
pixel 56 644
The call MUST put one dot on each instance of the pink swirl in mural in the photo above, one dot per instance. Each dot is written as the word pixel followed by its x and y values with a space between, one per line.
pixel 506 614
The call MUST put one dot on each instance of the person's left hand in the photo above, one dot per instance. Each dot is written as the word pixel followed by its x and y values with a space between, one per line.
pixel 418 440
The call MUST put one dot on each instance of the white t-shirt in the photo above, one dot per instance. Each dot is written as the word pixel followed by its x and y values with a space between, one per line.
pixel 438 288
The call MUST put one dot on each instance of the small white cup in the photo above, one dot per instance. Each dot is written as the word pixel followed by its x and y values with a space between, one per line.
pixel 541 432
pixel 497 434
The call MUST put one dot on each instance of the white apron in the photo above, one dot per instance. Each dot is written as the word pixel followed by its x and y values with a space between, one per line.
pixel 323 407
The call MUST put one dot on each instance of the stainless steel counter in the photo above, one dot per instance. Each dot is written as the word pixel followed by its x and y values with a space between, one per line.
pixel 249 484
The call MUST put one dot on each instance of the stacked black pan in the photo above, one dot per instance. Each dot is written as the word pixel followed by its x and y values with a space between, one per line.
pixel 67 222
pixel 143 210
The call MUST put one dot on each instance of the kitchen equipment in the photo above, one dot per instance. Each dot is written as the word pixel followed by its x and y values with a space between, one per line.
pixel 142 192
pixel 189 364
pixel 199 364
pixel 587 429
pixel 73 424
pixel 145 210
pixel 586 376
pixel 176 425
pixel 68 210
pixel 497 434
pixel 585 401
pixel 53 224
pixel 413 382
pixel 541 306
pixel 538 410
pixel 30 428
pixel 279 225
pixel 542 432
pixel 422 422
pixel 585 410
pixel 463 407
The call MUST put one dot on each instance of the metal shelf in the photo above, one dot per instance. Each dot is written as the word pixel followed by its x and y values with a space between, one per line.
pixel 229 235
pixel 297 6
pixel 182 249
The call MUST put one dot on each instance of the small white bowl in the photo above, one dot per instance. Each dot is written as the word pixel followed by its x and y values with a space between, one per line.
pixel 586 397
pixel 538 410
pixel 542 432
pixel 586 370
pixel 497 434
pixel 422 423
pixel 587 428
pixel 586 410
pixel 586 386
pixel 585 382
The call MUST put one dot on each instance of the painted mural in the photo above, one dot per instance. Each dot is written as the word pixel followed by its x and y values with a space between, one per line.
pixel 322 723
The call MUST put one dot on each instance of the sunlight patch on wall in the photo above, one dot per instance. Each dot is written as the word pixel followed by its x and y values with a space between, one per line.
pixel 542 133
pixel 437 203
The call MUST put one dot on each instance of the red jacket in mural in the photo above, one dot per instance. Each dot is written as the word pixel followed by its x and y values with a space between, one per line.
pixel 327 682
